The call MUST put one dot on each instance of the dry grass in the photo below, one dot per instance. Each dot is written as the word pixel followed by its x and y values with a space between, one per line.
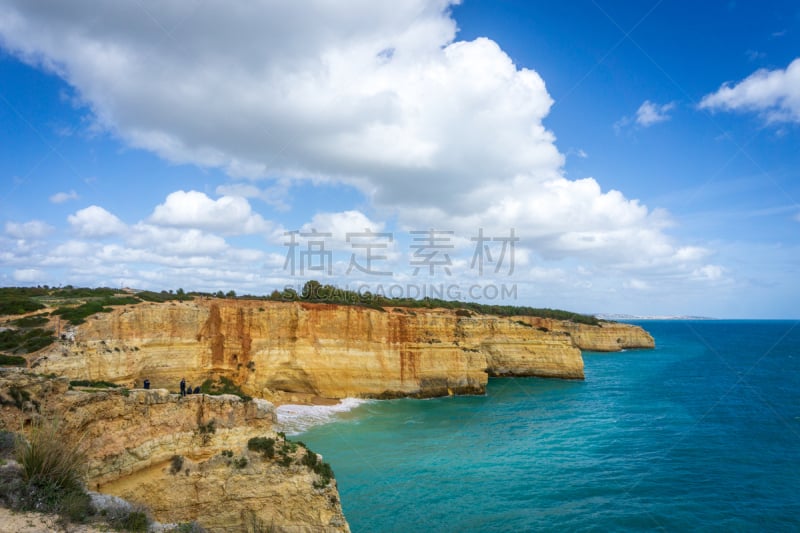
pixel 52 472
pixel 47 461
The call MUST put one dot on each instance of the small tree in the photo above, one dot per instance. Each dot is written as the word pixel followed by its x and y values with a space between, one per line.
pixel 311 290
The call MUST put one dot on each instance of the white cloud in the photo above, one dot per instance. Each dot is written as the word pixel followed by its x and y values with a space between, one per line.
pixel 72 249
pixel 775 94
pixel 708 273
pixel 244 190
pixel 175 241
pixel 228 214
pixel 548 275
pixel 275 196
pixel 94 221
pixel 647 115
pixel 650 113
pixel 270 89
pixel 340 224
pixel 61 197
pixel 636 284
pixel 379 96
pixel 34 229
pixel 27 275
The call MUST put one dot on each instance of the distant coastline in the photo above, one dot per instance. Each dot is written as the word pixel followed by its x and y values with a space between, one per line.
pixel 616 316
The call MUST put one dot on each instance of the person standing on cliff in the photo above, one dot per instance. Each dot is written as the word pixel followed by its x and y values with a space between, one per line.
pixel 146 383
pixel 183 386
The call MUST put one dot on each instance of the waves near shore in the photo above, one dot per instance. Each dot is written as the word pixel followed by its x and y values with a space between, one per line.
pixel 294 419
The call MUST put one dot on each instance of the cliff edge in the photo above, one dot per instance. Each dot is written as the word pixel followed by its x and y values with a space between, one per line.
pixel 326 350
pixel 184 458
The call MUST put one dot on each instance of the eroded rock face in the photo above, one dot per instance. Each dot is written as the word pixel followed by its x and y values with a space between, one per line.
pixel 606 337
pixel 326 350
pixel 132 438
pixel 230 494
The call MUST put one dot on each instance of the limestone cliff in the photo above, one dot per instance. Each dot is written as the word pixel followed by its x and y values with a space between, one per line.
pixel 605 337
pixel 326 350
pixel 184 458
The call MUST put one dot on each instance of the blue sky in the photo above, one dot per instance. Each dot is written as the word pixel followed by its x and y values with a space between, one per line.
pixel 644 154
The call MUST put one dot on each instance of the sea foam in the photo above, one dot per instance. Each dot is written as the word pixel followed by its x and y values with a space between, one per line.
pixel 294 419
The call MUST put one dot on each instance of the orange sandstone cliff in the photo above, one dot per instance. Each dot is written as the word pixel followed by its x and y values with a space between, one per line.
pixel 183 458
pixel 325 350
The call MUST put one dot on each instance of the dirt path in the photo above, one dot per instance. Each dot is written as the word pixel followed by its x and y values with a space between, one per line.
pixel 11 522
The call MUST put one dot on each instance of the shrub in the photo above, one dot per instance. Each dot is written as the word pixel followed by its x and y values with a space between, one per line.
pixel 13 305
pixel 310 459
pixel 19 397
pixel 75 506
pixel 45 460
pixel 77 315
pixel 133 519
pixel 223 385
pixel 7 444
pixel 30 321
pixel 205 431
pixel 175 464
pixel 52 472
pixel 325 473
pixel 25 341
pixel 241 462
pixel 321 468
pixel 12 360
pixel 93 384
pixel 262 444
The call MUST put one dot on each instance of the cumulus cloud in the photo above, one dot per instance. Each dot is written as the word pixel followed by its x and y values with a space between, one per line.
pixel 94 221
pixel 27 275
pixel 376 95
pixel 34 229
pixel 650 113
pixel 774 94
pixel 647 115
pixel 175 241
pixel 382 97
pixel 563 218
pixel 342 223
pixel 709 273
pixel 61 197
pixel 275 195
pixel 192 209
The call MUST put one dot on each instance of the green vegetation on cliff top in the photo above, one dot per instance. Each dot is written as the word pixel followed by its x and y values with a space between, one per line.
pixel 315 292
pixel 76 304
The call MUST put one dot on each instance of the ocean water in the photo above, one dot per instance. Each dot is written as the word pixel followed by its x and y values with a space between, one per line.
pixel 700 434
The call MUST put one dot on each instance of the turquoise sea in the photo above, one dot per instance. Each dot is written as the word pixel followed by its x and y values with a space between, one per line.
pixel 702 433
